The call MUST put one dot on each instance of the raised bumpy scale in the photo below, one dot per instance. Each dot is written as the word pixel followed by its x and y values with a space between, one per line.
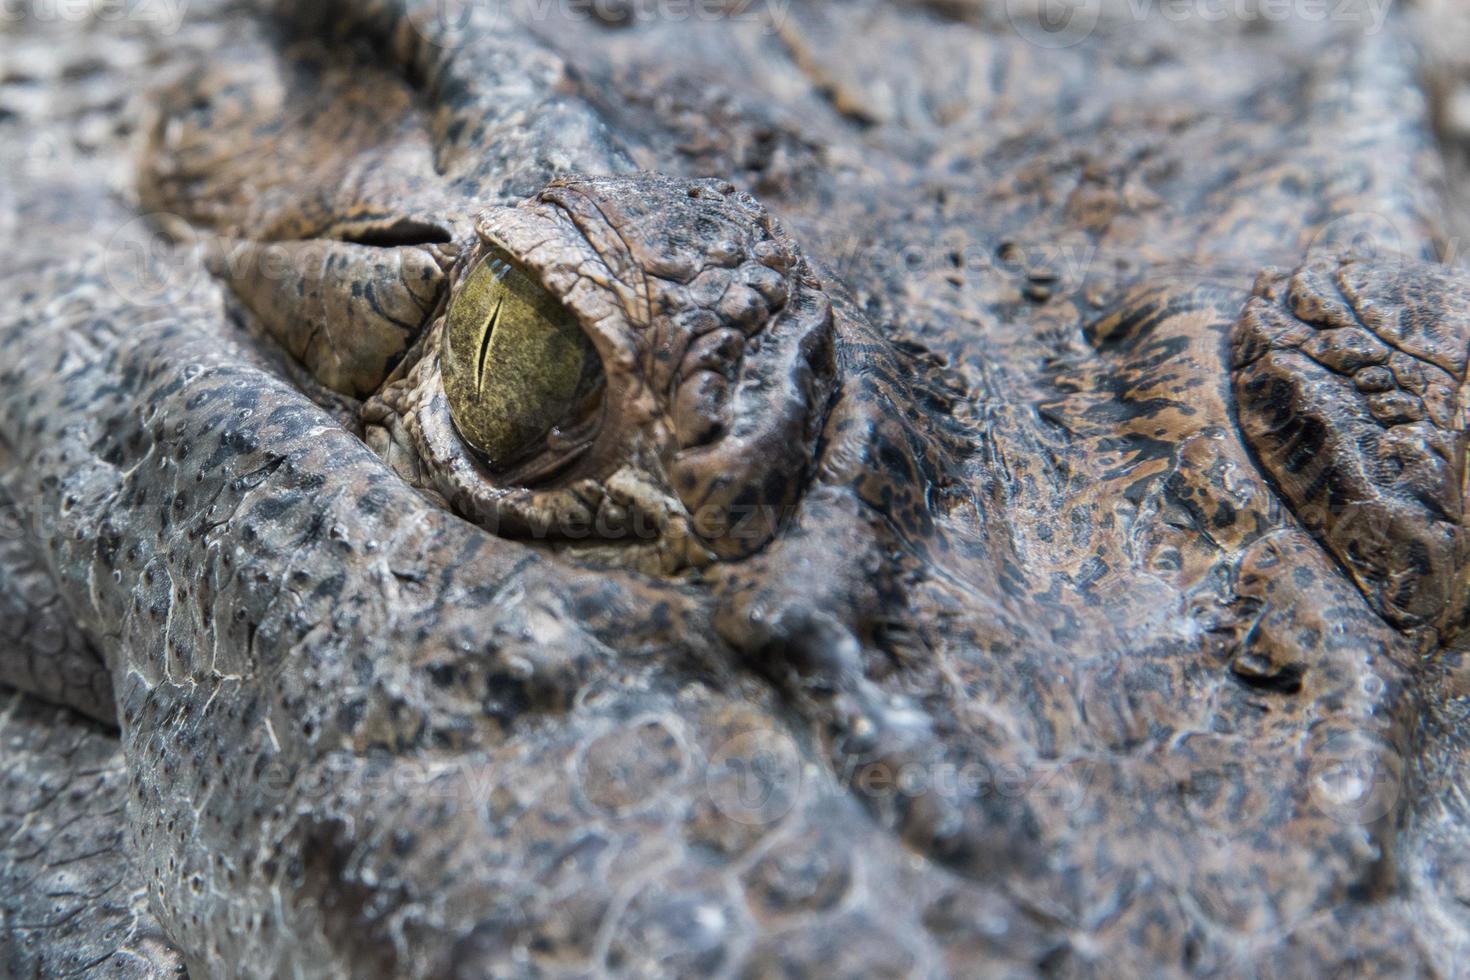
pixel 791 491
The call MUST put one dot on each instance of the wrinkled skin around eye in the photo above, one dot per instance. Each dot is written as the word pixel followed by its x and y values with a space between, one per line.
pixel 715 343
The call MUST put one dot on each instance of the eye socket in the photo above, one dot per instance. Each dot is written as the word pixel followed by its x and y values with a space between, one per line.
pixel 518 369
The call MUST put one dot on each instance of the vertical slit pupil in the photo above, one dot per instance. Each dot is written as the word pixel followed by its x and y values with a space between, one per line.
pixel 485 344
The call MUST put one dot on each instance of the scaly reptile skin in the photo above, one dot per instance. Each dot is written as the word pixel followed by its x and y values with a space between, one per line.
pixel 1047 466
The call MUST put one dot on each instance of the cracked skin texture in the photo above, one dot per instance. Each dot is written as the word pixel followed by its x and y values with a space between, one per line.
pixel 1105 615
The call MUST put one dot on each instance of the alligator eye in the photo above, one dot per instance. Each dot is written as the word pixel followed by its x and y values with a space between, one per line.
pixel 517 367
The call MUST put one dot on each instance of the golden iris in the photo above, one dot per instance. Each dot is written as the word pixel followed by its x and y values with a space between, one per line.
pixel 515 364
